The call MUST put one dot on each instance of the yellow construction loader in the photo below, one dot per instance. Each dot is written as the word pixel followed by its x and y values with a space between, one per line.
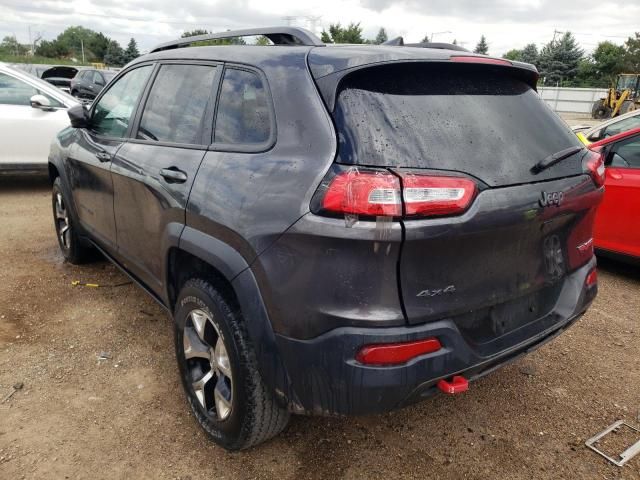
pixel 621 99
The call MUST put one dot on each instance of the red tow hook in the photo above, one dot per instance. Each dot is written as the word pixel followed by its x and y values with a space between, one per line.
pixel 458 384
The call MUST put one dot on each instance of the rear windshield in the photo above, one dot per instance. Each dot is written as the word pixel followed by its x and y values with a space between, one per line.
pixel 473 119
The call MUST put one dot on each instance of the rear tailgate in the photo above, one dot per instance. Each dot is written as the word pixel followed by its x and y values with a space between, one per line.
pixel 506 256
pixel 506 247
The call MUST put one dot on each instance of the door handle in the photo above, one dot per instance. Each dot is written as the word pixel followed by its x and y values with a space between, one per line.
pixel 616 176
pixel 103 156
pixel 173 175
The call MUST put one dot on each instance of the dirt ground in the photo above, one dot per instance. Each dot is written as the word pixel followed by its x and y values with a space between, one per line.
pixel 125 416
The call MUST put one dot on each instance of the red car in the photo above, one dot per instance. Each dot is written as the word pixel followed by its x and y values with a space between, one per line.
pixel 617 226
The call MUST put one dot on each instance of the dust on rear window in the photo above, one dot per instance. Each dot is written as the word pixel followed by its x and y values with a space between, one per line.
pixel 473 119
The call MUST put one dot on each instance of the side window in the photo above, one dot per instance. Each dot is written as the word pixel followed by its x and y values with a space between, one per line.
pixel 243 112
pixel 14 91
pixel 627 154
pixel 622 126
pixel 175 109
pixel 112 113
pixel 97 78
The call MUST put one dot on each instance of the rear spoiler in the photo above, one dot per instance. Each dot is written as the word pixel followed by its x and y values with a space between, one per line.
pixel 329 84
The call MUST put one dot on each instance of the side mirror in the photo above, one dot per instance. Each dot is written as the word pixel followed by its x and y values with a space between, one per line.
pixel 40 101
pixel 78 116
pixel 597 135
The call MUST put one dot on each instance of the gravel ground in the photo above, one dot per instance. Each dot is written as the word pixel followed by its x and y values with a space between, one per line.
pixel 125 416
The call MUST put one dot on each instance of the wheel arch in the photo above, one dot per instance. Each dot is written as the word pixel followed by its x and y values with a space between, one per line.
pixel 219 264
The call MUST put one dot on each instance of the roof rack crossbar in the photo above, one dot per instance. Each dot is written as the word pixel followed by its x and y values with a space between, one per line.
pixel 278 35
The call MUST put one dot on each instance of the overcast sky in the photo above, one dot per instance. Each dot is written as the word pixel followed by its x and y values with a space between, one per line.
pixel 506 23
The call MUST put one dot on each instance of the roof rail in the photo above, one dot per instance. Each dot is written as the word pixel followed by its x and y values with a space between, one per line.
pixel 399 42
pixel 278 35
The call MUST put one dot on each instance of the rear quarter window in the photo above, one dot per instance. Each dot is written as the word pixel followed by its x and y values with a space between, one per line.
pixel 474 119
pixel 243 116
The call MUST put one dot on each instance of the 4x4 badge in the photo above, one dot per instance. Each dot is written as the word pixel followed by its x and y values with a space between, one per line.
pixel 551 198
pixel 434 292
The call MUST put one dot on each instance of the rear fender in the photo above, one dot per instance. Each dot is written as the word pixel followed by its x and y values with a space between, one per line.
pixel 233 268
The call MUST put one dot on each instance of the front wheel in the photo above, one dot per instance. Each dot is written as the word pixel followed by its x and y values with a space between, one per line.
pixel 599 110
pixel 72 248
pixel 219 370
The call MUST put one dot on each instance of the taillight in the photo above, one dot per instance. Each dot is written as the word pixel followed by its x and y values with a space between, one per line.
pixel 373 193
pixel 432 196
pixel 396 353
pixel 593 164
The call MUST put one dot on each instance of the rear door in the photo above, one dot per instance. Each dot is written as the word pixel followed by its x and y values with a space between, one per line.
pixel 517 239
pixel 617 225
pixel 154 170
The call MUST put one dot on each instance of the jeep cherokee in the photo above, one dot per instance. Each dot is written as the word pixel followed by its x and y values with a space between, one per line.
pixel 334 229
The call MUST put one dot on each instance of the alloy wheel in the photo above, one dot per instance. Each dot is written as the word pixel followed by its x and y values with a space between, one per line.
pixel 208 364
pixel 63 226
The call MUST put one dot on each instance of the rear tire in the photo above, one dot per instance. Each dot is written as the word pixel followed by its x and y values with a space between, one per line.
pixel 71 246
pixel 219 370
pixel 627 106
pixel 599 110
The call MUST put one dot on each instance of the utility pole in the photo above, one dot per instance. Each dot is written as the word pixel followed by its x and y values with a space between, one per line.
pixel 555 32
pixel 82 48
pixel 313 22
pixel 289 19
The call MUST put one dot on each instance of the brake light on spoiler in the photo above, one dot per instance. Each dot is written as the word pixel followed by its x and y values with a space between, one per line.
pixel 487 60
pixel 382 193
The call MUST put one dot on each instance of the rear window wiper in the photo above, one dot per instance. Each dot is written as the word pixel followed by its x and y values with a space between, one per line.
pixel 554 158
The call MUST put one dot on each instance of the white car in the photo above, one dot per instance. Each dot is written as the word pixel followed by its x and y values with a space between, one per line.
pixel 32 112
pixel 609 128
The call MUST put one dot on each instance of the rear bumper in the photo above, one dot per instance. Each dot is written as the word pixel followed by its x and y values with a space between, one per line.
pixel 326 379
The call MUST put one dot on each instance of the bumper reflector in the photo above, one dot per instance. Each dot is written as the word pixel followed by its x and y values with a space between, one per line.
pixel 592 278
pixel 458 384
pixel 396 353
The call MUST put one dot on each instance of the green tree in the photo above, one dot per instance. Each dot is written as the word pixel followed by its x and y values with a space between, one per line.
pixel 97 46
pixel 131 51
pixel 381 37
pixel 482 47
pixel 115 55
pixel 425 39
pixel 513 54
pixel 72 41
pixel 263 41
pixel 529 54
pixel 193 33
pixel 51 49
pixel 602 67
pixel 339 34
pixel 11 46
pixel 559 60
pixel 631 60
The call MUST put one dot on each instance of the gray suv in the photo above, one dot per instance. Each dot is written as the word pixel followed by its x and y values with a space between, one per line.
pixel 334 229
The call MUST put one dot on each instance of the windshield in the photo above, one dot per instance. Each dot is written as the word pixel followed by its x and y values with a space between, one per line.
pixel 627 81
pixel 450 117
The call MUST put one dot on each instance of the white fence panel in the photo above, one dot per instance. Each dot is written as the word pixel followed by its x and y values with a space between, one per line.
pixel 571 100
